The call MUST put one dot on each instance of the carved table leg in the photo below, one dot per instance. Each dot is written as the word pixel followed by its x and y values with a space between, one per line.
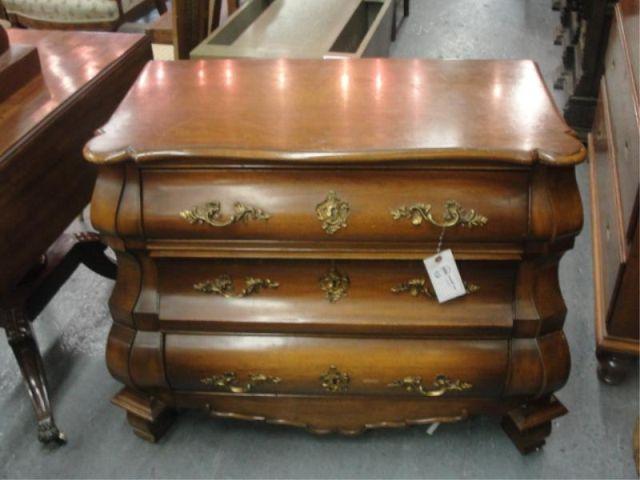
pixel 612 368
pixel 149 417
pixel 529 425
pixel 25 349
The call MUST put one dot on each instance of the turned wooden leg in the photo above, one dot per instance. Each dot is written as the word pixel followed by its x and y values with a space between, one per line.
pixel 149 417
pixel 612 368
pixel 25 349
pixel 529 425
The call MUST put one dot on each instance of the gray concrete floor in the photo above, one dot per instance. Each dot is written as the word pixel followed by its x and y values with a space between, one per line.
pixel 592 441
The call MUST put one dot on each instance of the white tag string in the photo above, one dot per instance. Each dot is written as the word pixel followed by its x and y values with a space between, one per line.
pixel 440 239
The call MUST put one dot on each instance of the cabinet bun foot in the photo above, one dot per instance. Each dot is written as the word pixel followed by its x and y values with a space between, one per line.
pixel 149 417
pixel 529 425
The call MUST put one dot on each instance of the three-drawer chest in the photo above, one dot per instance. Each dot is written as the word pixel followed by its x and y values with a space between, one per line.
pixel 271 218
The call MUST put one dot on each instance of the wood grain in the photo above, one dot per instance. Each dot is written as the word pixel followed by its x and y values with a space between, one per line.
pixel 401 110
pixel 280 138
pixel 42 129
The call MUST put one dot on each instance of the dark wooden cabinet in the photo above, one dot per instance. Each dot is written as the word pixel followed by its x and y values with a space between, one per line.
pixel 583 32
pixel 614 150
pixel 270 239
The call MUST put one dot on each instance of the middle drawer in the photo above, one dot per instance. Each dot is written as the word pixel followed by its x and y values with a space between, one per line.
pixel 321 296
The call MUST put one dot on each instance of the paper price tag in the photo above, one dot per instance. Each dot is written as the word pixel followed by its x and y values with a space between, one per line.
pixel 444 275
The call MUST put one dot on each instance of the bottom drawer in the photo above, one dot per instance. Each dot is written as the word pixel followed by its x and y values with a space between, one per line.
pixel 335 365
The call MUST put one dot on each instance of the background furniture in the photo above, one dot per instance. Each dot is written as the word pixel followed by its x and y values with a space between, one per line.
pixel 161 30
pixel 78 14
pixel 583 30
pixel 193 20
pixel 276 275
pixel 45 183
pixel 303 29
pixel 614 147
pixel 399 18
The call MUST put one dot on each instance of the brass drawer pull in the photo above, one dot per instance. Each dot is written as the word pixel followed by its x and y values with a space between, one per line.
pixel 441 385
pixel 335 284
pixel 229 381
pixel 333 213
pixel 209 214
pixel 223 286
pixel 334 380
pixel 453 215
pixel 422 286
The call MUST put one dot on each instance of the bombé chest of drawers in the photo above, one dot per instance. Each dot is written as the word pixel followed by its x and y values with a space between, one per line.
pixel 270 220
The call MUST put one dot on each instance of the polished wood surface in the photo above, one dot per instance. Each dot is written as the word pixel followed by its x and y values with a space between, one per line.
pixel 18 65
pixel 71 61
pixel 49 176
pixel 501 197
pixel 45 183
pixel 191 358
pixel 299 305
pixel 267 270
pixel 614 148
pixel 401 110
pixel 161 30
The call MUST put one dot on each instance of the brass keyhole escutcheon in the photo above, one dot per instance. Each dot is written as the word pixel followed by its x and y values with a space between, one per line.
pixel 333 213
pixel 334 380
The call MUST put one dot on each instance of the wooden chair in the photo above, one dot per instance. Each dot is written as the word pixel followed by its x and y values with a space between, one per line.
pixel 73 15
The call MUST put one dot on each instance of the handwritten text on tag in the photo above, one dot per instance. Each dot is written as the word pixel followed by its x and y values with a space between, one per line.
pixel 444 275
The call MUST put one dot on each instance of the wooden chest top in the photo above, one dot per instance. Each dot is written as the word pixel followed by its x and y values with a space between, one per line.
pixel 306 111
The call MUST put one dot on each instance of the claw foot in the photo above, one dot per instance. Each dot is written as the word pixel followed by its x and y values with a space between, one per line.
pixel 48 433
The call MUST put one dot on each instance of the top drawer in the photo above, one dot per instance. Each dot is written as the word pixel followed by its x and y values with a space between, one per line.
pixel 336 206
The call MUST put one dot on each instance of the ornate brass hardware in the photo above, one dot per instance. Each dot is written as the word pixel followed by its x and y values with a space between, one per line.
pixel 333 213
pixel 335 284
pixel 209 214
pixel 334 380
pixel 229 381
pixel 223 286
pixel 422 286
pixel 441 385
pixel 453 215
